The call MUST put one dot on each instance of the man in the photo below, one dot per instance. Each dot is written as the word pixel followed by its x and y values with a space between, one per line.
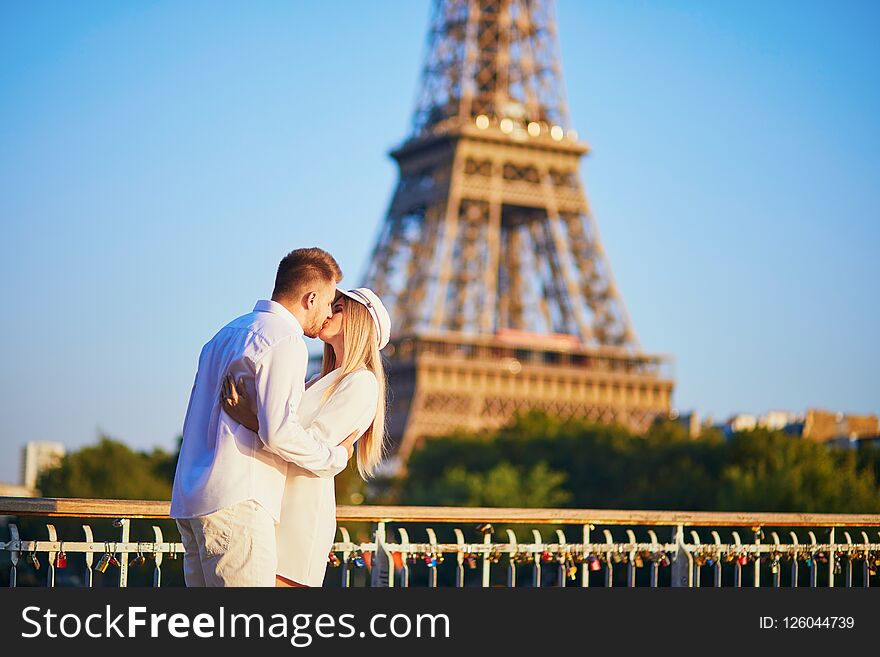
pixel 229 480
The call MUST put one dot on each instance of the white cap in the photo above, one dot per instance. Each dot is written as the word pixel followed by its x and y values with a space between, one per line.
pixel 381 319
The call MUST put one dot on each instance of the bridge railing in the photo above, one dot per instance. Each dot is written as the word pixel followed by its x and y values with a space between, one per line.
pixel 503 547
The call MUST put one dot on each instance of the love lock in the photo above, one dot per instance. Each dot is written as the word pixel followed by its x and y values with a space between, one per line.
pixel 358 558
pixel 61 558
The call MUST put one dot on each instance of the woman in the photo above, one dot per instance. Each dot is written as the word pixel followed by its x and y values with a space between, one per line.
pixel 348 396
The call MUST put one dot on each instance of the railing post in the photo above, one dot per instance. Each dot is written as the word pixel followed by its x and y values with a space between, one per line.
pixel 157 557
pixel 697 568
pixel 124 524
pixel 432 572
pixel 539 544
pixel 346 558
pixel 716 575
pixel 609 561
pixel 655 563
pixel 511 559
pixel 14 554
pixel 487 561
pixel 585 569
pixel 631 560
pixel 758 534
pixel 831 558
pixel 404 558
pixel 737 566
pixel 459 558
pixel 814 567
pixel 90 557
pixel 794 560
pixel 563 564
pixel 51 555
pixel 380 576
pixel 682 563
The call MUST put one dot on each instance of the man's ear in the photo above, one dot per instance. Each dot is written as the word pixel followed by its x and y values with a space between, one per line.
pixel 309 299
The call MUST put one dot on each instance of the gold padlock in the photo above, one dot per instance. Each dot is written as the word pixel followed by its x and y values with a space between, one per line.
pixel 103 563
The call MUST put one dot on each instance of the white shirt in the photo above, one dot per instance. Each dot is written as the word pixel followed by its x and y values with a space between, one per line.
pixel 308 512
pixel 222 462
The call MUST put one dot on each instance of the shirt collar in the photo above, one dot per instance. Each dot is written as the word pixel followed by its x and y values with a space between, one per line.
pixel 269 306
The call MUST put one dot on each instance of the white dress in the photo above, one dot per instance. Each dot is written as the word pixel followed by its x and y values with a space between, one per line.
pixel 307 528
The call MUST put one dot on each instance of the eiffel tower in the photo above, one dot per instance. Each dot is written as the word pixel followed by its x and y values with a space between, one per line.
pixel 489 259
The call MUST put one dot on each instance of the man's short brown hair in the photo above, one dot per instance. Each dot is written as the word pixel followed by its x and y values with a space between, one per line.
pixel 303 267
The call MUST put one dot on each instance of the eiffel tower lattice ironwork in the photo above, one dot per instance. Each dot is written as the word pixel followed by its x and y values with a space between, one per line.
pixel 489 260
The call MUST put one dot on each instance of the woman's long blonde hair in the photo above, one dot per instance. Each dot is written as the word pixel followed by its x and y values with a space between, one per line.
pixel 361 351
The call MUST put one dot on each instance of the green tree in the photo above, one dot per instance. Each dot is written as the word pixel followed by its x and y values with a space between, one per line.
pixel 502 485
pixel 605 466
pixel 768 471
pixel 111 470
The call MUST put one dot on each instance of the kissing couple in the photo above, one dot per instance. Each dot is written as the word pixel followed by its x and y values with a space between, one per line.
pixel 253 493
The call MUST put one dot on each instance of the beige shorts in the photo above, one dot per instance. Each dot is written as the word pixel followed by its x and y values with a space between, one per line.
pixel 234 546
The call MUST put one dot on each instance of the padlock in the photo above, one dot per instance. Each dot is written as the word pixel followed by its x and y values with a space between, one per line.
pixel 103 563
pixel 35 561
pixel 471 561
pixel 333 560
pixel 61 560
pixel 139 560
pixel 594 562
pixel 743 559
pixel 546 556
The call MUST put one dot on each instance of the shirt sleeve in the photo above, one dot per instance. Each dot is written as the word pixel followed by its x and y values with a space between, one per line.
pixel 278 380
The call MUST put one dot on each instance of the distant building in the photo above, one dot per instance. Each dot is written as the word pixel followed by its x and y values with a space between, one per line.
pixel 821 425
pixel 37 457
pixel 690 421
pixel 778 420
pixel 15 490
pixel 740 422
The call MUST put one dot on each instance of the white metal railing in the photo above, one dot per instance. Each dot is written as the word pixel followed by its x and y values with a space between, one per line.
pixel 692 547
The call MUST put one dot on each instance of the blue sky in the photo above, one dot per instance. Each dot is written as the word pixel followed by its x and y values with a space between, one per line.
pixel 158 158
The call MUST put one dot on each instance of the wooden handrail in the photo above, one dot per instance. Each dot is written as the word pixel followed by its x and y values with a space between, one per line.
pixel 89 508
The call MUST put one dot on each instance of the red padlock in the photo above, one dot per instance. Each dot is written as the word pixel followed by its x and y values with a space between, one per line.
pixel 61 560
pixel 743 560
pixel 594 564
